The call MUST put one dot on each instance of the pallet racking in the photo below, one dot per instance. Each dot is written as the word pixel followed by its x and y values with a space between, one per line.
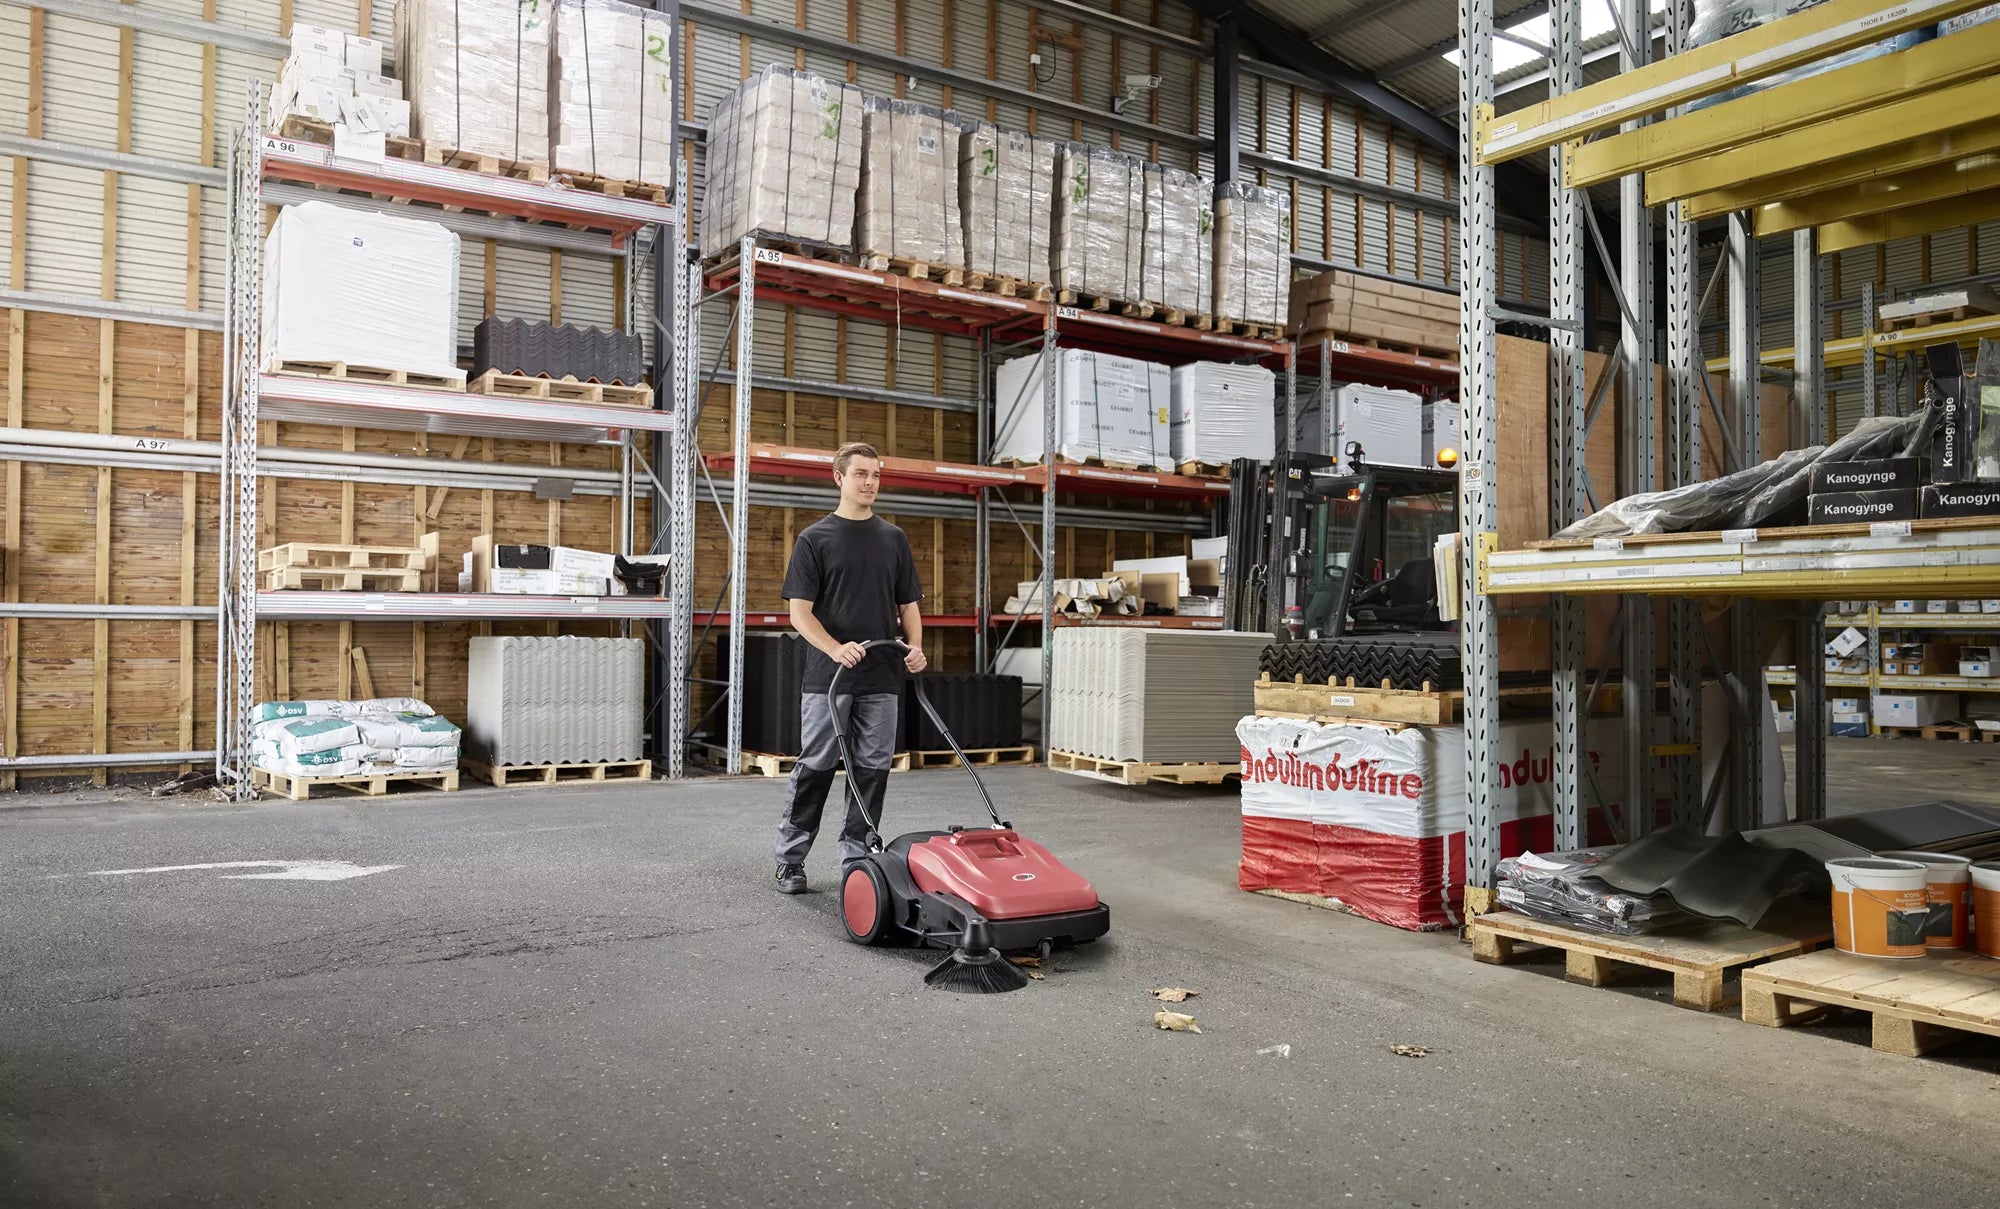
pixel 1731 159
pixel 760 272
pixel 251 396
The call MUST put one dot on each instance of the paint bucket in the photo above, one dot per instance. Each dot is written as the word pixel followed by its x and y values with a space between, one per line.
pixel 1880 906
pixel 1986 897
pixel 1948 885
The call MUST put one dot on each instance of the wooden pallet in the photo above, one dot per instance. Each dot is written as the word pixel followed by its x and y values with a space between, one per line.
pixel 810 249
pixel 1009 287
pixel 1946 306
pixel 454 381
pixel 1917 1004
pixel 1340 702
pixel 1697 957
pixel 611 186
pixel 342 579
pixel 323 556
pixel 486 165
pixel 1137 772
pixel 984 757
pixel 1096 302
pixel 1432 351
pixel 1955 732
pixel 1254 331
pixel 915 270
pixel 301 129
pixel 567 390
pixel 507 775
pixel 760 763
pixel 373 785
pixel 1203 470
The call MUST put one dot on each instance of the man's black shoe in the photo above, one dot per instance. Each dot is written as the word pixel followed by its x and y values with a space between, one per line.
pixel 791 879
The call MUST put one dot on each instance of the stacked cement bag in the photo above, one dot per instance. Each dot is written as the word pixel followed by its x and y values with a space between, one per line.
pixel 1006 179
pixel 1100 223
pixel 477 72
pixel 352 738
pixel 1253 247
pixel 1178 250
pixel 784 160
pixel 909 185
pixel 614 89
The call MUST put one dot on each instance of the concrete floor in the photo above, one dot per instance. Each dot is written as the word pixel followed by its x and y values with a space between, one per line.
pixel 592 996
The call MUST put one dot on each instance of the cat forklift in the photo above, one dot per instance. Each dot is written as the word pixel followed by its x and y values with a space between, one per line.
pixel 1353 553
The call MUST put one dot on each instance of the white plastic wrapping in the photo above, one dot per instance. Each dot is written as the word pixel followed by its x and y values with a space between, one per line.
pixel 1223 411
pixel 1178 251
pixel 307 736
pixel 908 207
pixel 477 73
pixel 360 287
pixel 1006 184
pixel 1253 249
pixel 1715 20
pixel 1100 223
pixel 1388 424
pixel 1114 409
pixel 784 160
pixel 1978 16
pixel 612 80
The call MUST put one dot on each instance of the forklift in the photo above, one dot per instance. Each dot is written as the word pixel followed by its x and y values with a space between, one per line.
pixel 1354 549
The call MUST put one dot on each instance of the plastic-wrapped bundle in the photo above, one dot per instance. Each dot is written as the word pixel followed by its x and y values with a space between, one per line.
pixel 268 711
pixel 1179 247
pixel 1006 179
pixel 360 287
pixel 1111 408
pixel 1100 223
pixel 614 89
pixel 1253 248
pixel 1715 20
pixel 909 185
pixel 1223 412
pixel 1557 886
pixel 477 72
pixel 784 160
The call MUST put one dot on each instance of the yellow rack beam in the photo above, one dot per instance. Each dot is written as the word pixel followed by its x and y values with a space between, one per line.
pixel 1881 201
pixel 1967 55
pixel 1797 168
pixel 1916 220
pixel 1848 351
pixel 1821 31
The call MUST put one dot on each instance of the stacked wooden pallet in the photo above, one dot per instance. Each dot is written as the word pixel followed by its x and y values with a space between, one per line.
pixel 1339 305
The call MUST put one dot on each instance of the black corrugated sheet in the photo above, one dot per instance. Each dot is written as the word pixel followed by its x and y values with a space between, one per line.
pixel 558 350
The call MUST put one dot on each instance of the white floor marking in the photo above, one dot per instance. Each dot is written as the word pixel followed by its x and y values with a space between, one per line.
pixel 295 871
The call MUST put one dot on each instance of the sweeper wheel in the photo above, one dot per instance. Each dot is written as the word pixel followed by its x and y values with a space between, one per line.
pixel 864 903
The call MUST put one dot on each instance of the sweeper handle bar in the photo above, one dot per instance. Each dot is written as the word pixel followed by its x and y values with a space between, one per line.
pixel 847 758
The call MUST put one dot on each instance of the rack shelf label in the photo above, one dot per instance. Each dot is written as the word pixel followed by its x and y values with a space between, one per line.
pixel 767 256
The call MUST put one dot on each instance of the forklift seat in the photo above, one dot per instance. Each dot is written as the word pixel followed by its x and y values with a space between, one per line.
pixel 1409 597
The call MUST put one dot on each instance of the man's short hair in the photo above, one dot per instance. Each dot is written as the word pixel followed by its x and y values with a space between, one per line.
pixel 848 452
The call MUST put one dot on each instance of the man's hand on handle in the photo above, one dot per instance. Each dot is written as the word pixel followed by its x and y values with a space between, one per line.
pixel 850 654
pixel 916 661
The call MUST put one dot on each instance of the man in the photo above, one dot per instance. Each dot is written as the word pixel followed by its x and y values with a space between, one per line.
pixel 851 580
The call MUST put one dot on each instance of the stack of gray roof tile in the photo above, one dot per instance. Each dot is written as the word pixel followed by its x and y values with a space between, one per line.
pixel 555 700
pixel 558 350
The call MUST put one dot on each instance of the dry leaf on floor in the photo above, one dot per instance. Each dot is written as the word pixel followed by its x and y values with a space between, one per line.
pixel 1037 975
pixel 1175 1022
pixel 1173 994
pixel 1033 963
pixel 1411 1051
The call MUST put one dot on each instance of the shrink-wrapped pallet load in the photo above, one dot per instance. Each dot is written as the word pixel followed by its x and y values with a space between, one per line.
pixel 477 73
pixel 612 79
pixel 1253 251
pixel 1006 182
pixel 1223 412
pixel 1113 409
pixel 1170 696
pixel 1100 223
pixel 784 161
pixel 362 288
pixel 908 209
pixel 1715 20
pixel 1178 250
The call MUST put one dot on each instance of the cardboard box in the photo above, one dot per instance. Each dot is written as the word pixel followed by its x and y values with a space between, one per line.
pixel 1844 705
pixel 1846 642
pixel 1966 606
pixel 1977 669
pixel 371 84
pixel 318 40
pixel 365 54
pixel 1937 606
pixel 570 561
pixel 1849 726
pixel 1989 606
pixel 1880 474
pixel 1915 709
pixel 1943 500
pixel 1204 573
pixel 1855 507
pixel 1160 589
pixel 1200 606
pixel 1901 606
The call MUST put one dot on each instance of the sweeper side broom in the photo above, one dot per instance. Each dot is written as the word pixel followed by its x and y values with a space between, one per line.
pixel 981 892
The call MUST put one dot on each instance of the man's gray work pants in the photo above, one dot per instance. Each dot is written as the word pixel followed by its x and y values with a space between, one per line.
pixel 871 737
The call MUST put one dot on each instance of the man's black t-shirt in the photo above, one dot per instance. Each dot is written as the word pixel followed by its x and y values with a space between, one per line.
pixel 858 576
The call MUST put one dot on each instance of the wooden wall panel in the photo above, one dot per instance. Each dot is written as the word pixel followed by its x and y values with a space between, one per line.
pixel 146 526
pixel 59 374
